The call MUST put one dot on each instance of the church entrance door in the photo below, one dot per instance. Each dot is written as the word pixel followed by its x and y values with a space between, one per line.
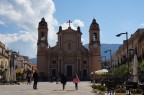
pixel 69 70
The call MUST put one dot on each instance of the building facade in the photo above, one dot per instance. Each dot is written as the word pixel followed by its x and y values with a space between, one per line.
pixel 11 63
pixel 135 45
pixel 68 56
pixel 4 63
pixel 22 67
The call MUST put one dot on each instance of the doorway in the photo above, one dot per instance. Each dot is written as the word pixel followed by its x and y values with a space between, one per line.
pixel 69 71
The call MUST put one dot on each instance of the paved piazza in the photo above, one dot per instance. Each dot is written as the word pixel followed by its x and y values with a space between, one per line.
pixel 46 88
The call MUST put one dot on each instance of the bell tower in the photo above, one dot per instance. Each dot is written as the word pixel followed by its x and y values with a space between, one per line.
pixel 42 46
pixel 94 46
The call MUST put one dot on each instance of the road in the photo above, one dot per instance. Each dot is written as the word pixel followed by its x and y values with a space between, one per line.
pixel 47 88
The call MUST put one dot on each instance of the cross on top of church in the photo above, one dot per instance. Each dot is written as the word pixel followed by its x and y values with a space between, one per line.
pixel 69 21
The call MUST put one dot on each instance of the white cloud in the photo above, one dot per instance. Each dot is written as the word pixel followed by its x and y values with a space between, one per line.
pixel 82 40
pixel 21 36
pixel 8 12
pixel 141 25
pixel 26 14
pixel 2 23
pixel 78 23
pixel 73 25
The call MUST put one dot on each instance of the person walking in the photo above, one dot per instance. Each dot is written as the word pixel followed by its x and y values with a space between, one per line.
pixel 63 81
pixel 76 81
pixel 35 78
pixel 57 79
pixel 28 79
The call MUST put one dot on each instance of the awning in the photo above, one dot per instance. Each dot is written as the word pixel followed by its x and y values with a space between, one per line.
pixel 102 71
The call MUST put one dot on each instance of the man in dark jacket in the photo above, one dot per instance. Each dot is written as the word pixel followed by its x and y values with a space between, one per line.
pixel 63 81
pixel 35 78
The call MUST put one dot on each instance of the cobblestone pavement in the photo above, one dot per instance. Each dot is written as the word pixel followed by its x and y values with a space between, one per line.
pixel 46 88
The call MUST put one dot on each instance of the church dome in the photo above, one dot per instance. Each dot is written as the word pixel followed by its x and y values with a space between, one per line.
pixel 42 22
pixel 94 25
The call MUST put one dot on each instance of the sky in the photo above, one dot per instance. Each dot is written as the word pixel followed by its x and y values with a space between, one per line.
pixel 19 20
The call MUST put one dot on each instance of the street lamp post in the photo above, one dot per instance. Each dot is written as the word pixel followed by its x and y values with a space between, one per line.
pixel 126 33
pixel 118 35
pixel 110 56
pixel 105 60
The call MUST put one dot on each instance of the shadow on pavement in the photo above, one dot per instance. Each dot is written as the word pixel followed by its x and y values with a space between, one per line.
pixel 70 90
pixel 57 90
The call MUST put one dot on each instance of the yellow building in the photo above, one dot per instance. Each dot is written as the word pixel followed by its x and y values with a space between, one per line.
pixel 27 66
pixel 22 64
pixel 135 45
pixel 4 62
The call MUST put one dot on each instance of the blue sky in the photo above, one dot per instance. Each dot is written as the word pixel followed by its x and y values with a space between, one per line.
pixel 114 16
pixel 19 20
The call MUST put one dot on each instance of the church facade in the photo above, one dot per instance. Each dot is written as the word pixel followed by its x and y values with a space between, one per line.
pixel 68 56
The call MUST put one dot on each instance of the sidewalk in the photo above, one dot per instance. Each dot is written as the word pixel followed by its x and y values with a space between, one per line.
pixel 46 88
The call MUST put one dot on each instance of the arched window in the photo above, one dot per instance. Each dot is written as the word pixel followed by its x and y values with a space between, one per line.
pixel 135 50
pixel 85 71
pixel 42 34
pixel 94 36
pixel 78 64
pixel 60 42
pixel 69 46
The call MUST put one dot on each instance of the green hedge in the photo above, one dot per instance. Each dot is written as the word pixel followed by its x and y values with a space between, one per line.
pixel 99 87
pixel 136 91
pixel 120 90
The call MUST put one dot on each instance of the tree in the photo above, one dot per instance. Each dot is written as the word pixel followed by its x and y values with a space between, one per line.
pixel 141 72
pixel 1 73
